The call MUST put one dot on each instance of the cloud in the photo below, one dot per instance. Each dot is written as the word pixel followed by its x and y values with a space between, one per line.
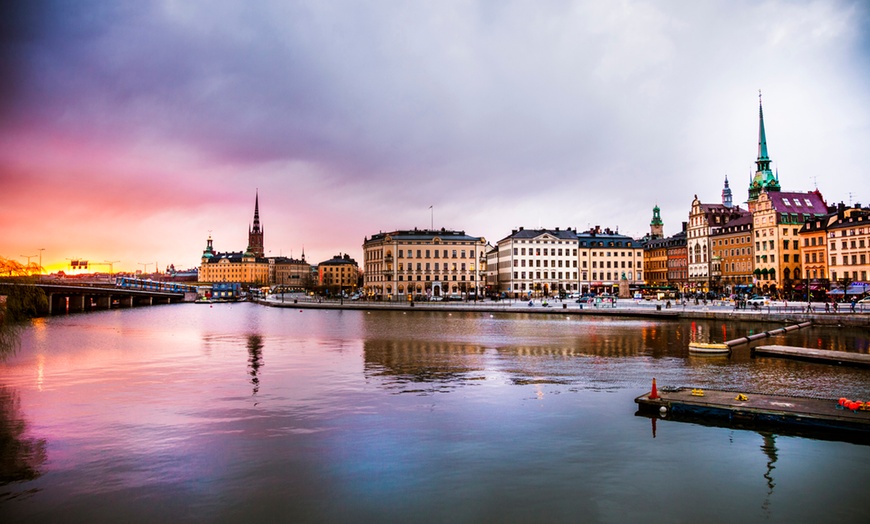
pixel 363 114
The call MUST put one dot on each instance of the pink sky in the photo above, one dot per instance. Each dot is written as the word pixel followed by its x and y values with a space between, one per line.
pixel 129 132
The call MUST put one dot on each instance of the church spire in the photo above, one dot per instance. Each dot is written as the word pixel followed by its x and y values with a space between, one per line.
pixel 257 212
pixel 763 161
pixel 764 179
pixel 255 233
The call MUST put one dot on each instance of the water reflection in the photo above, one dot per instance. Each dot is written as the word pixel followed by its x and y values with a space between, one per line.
pixel 768 446
pixel 255 359
pixel 10 339
pixel 21 457
pixel 446 365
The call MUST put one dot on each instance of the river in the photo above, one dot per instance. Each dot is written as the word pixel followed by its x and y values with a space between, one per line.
pixel 240 413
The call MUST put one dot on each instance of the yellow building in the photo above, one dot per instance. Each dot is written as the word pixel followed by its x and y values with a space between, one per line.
pixel 338 274
pixel 243 268
pixel 402 265
pixel 776 221
pixel 732 255
pixel 849 248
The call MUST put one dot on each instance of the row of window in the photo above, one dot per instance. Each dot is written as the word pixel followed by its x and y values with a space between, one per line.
pixel 851 244
pixel 855 258
pixel 442 253
pixel 447 266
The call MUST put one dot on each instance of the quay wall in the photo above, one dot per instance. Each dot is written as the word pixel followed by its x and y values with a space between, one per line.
pixel 770 315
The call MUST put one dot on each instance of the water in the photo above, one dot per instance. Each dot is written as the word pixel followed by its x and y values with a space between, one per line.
pixel 237 412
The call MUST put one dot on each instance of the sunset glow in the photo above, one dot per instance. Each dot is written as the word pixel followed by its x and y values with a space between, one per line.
pixel 133 131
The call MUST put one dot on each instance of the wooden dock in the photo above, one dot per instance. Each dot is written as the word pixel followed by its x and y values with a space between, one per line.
pixel 841 358
pixel 757 411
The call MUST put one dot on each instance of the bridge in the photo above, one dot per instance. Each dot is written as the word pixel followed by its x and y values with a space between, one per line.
pixel 66 298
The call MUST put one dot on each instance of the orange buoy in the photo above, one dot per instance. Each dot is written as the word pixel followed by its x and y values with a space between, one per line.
pixel 654 393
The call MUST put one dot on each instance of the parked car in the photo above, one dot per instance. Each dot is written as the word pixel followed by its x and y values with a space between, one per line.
pixel 865 300
pixel 758 301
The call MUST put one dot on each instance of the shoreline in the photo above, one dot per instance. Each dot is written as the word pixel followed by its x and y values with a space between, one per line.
pixel 627 308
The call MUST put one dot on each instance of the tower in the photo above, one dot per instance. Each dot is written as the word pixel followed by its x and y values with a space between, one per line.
pixel 255 233
pixel 656 226
pixel 726 194
pixel 764 179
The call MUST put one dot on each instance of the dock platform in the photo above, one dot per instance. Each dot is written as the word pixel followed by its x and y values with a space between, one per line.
pixel 757 411
pixel 813 355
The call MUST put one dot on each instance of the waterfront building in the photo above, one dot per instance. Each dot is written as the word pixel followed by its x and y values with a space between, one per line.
pixel 678 260
pixel 339 273
pixel 655 262
pixel 289 273
pixel 732 262
pixel 251 267
pixel 655 252
pixel 704 220
pixel 233 266
pixel 423 263
pixel 776 222
pixel 606 258
pixel 537 262
pixel 848 234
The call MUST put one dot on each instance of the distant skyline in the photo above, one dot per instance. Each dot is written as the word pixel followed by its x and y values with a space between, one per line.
pixel 130 131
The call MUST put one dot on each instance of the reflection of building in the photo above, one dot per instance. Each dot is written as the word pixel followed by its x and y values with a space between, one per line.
pixel 338 273
pixel 403 264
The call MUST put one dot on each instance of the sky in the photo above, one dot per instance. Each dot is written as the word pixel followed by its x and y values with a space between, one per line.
pixel 131 131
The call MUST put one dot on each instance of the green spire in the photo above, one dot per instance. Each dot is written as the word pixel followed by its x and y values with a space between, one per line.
pixel 657 217
pixel 764 180
pixel 763 160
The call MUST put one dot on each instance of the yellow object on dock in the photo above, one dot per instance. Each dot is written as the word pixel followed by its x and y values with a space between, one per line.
pixel 697 392
pixel 741 397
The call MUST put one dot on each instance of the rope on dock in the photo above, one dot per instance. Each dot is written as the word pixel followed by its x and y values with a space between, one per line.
pixel 758 336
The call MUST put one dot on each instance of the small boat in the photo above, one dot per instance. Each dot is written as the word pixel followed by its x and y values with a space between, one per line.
pixel 709 348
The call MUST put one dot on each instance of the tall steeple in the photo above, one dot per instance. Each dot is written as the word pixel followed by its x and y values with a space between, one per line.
pixel 255 233
pixel 764 179
pixel 726 194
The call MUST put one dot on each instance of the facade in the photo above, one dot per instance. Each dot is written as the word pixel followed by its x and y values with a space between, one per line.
pixel 402 265
pixel 251 267
pixel 607 258
pixel 655 262
pixel 339 274
pixel 678 261
pixel 537 262
pixel 732 247
pixel 777 221
pixel 289 273
pixel 233 266
pixel 849 247
pixel 704 221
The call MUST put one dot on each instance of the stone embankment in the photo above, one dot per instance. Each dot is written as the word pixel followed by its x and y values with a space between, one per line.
pixel 624 308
